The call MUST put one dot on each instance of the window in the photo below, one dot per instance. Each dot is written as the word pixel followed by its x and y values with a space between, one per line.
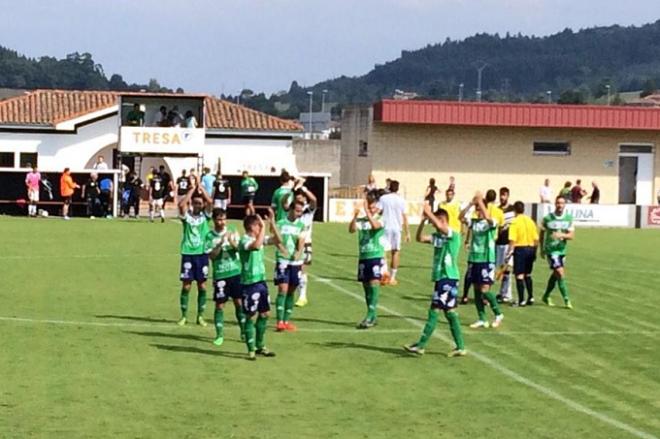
pixel 6 159
pixel 363 149
pixel 552 148
pixel 28 159
pixel 648 149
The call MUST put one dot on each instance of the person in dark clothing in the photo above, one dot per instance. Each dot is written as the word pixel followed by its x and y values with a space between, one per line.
pixel 429 196
pixel 92 194
pixel 594 198
pixel 106 196
pixel 131 195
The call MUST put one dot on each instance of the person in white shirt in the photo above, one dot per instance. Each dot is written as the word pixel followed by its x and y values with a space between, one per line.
pixel 545 193
pixel 100 164
pixel 394 219
pixel 190 121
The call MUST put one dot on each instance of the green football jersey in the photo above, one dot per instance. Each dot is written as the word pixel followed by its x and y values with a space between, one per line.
pixel 369 240
pixel 195 229
pixel 445 256
pixel 249 186
pixel 276 202
pixel 253 269
pixel 290 231
pixel 553 223
pixel 227 264
pixel 482 245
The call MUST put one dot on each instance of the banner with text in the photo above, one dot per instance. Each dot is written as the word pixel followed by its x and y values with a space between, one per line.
pixel 596 215
pixel 162 140
pixel 341 210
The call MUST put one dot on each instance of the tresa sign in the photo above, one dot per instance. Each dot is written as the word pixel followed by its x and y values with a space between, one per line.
pixel 161 140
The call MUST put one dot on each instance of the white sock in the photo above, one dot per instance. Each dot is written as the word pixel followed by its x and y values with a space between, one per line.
pixel 303 287
pixel 162 213
pixel 394 273
pixel 384 265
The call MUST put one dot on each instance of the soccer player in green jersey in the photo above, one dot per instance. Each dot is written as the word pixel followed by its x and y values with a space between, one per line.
pixel 222 246
pixel 249 188
pixel 280 194
pixel 371 256
pixel 253 282
pixel 445 273
pixel 556 230
pixel 288 265
pixel 481 257
pixel 194 260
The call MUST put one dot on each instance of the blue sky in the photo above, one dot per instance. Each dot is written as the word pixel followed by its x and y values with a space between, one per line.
pixel 217 46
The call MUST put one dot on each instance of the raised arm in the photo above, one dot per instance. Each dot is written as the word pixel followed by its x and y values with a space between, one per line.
pixel 313 202
pixel 352 227
pixel 183 202
pixel 419 236
pixel 375 224
pixel 442 226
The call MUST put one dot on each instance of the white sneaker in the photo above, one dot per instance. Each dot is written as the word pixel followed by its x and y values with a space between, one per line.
pixel 480 324
pixel 498 321
pixel 67 218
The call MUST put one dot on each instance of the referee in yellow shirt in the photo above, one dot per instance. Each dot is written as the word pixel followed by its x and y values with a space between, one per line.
pixel 523 242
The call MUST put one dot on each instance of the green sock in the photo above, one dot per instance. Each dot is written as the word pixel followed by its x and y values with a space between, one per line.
pixel 492 301
pixel 367 298
pixel 563 290
pixel 288 307
pixel 249 334
pixel 455 327
pixel 219 320
pixel 479 303
pixel 551 286
pixel 240 318
pixel 261 330
pixel 373 306
pixel 427 332
pixel 183 301
pixel 279 306
pixel 201 301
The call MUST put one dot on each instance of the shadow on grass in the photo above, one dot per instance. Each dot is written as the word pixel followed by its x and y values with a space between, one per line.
pixel 135 318
pixel 194 350
pixel 416 298
pixel 397 317
pixel 346 278
pixel 342 255
pixel 170 335
pixel 327 322
pixel 397 352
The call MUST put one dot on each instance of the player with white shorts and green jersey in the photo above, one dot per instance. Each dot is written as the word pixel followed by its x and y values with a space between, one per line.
pixel 288 265
pixel 481 257
pixel 445 274
pixel 371 256
pixel 556 230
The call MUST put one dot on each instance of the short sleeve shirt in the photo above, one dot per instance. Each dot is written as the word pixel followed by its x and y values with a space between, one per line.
pixel 195 229
pixel 253 269
pixel 369 239
pixel 227 264
pixel 393 209
pixel 445 255
pixel 482 245
pixel 553 223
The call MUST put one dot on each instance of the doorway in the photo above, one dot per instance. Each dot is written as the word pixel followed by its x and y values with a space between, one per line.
pixel 636 174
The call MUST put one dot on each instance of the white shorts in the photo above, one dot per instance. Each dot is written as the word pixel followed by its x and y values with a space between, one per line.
pixel 392 240
pixel 157 202
pixel 33 195
pixel 221 204
pixel 500 256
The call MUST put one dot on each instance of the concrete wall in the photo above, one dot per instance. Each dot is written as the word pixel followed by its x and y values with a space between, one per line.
pixel 319 156
pixel 481 158
pixel 356 123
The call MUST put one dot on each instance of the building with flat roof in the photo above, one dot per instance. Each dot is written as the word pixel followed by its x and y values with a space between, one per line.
pixel 489 145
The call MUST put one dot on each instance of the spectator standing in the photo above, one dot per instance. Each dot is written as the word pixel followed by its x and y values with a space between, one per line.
pixel 32 181
pixel 135 117
pixel 207 180
pixel 249 188
pixel 190 120
pixel 577 193
pixel 100 164
pixel 429 196
pixel 91 193
pixel 394 220
pixel 168 184
pixel 221 192
pixel 371 184
pixel 594 198
pixel 160 119
pixel 452 184
pixel 174 118
pixel 106 196
pixel 67 188
pixel 545 193
pixel 565 192
pixel 131 195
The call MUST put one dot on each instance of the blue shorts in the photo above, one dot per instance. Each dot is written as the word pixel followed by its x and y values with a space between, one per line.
pixel 482 273
pixel 445 294
pixel 370 269
pixel 287 274
pixel 194 267
pixel 556 261
pixel 255 298
pixel 225 289
pixel 523 260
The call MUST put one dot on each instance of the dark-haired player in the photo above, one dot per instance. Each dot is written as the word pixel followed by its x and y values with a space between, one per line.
pixel 288 264
pixel 306 196
pixel 222 247
pixel 253 282
pixel 157 190
pixel 277 202
pixel 221 192
pixel 523 242
pixel 371 256
pixel 445 273
pixel 557 229
pixel 194 260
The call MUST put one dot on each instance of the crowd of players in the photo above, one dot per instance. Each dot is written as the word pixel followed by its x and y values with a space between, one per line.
pixel 501 241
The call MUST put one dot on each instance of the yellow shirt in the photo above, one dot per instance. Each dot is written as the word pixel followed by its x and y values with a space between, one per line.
pixel 523 231
pixel 496 214
pixel 453 209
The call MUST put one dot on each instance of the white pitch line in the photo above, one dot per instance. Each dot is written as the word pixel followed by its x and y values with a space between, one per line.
pixel 508 372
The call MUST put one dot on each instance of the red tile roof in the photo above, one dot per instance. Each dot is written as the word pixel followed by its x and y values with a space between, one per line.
pixel 517 115
pixel 50 107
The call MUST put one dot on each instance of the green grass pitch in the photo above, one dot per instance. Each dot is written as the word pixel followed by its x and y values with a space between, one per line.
pixel 89 347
